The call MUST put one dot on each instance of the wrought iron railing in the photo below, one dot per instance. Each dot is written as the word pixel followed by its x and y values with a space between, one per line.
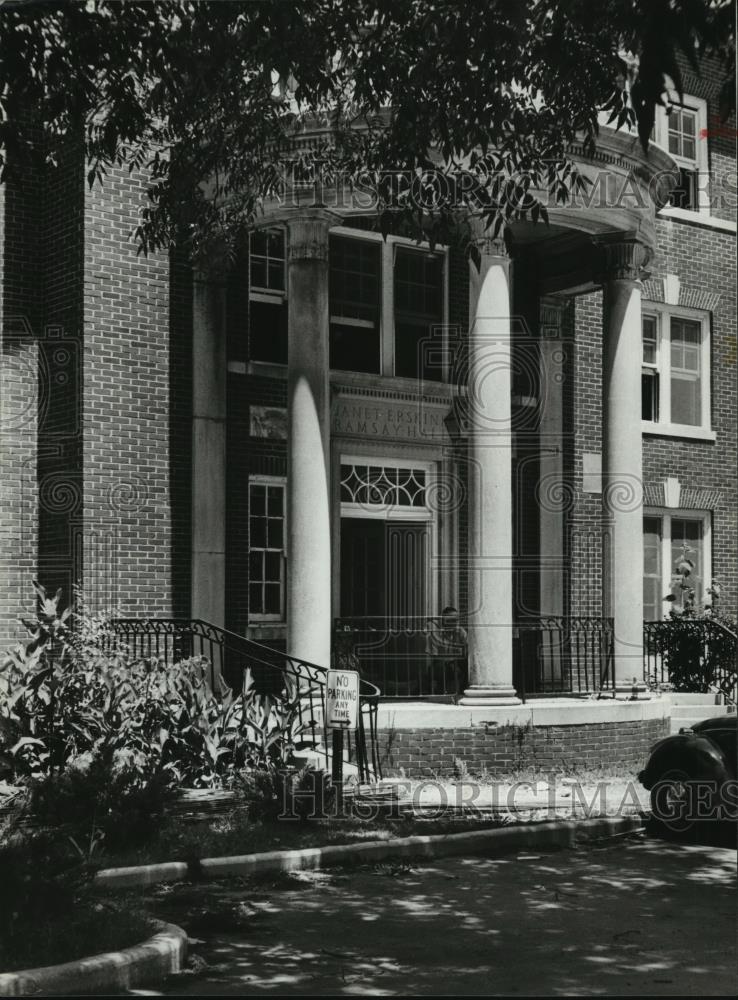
pixel 563 656
pixel 691 654
pixel 426 657
pixel 409 657
pixel 231 655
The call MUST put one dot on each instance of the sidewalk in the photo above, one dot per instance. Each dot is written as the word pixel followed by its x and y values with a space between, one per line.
pixel 562 798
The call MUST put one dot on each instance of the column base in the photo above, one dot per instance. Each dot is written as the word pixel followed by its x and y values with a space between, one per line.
pixel 637 691
pixel 483 695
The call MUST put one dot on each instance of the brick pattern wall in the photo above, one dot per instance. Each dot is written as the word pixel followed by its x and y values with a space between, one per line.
pixel 180 431
pixel 706 259
pixel 494 750
pixel 703 259
pixel 721 137
pixel 21 319
pixel 61 347
pixel 127 371
pixel 584 518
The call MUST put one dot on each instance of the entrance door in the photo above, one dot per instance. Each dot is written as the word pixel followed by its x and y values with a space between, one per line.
pixel 384 588
pixel 384 568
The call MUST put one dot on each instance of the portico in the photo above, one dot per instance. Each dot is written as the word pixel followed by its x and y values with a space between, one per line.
pixel 465 555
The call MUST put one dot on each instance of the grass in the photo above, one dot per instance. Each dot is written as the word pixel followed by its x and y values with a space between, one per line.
pixel 86 931
pixel 31 938
pixel 50 911
pixel 238 832
pixel 235 833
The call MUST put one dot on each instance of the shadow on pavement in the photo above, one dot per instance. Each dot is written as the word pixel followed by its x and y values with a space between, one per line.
pixel 645 917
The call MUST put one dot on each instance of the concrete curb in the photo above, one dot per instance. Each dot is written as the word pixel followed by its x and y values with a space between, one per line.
pixel 112 971
pixel 557 833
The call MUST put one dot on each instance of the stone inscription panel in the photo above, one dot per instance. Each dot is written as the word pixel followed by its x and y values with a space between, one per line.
pixel 389 419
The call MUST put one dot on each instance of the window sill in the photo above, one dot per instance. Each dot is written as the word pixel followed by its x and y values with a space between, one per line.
pixel 698 218
pixel 266 368
pixel 678 431
pixel 258 630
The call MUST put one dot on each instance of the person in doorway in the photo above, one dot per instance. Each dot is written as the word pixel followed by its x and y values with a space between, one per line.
pixel 452 649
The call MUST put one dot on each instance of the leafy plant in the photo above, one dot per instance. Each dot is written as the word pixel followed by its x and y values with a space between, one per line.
pixel 696 657
pixel 74 693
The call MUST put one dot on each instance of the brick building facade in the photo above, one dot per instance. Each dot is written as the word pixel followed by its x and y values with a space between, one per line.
pixel 139 398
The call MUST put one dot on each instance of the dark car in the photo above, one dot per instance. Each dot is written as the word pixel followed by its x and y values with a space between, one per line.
pixel 692 775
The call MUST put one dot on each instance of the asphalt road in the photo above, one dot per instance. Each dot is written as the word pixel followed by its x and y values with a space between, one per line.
pixel 642 917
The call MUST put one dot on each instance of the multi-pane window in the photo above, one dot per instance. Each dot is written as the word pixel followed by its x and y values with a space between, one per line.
pixel 675 369
pixel 418 310
pixel 266 260
pixel 653 583
pixel 267 297
pixel 681 131
pixel 681 126
pixel 386 302
pixel 671 542
pixel 354 293
pixel 686 372
pixel 650 372
pixel 266 550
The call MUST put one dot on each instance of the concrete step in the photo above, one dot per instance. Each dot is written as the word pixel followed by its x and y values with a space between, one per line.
pixel 679 698
pixel 698 711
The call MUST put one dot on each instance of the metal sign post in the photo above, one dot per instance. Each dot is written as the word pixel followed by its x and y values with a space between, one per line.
pixel 342 713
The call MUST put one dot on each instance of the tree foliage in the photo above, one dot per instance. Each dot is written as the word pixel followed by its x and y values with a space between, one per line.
pixel 211 98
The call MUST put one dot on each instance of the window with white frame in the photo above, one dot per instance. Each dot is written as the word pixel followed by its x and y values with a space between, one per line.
pixel 266 548
pixel 681 130
pixel 267 296
pixel 675 372
pixel 387 301
pixel 355 305
pixel 671 538
pixel 386 488
pixel 418 311
pixel 387 305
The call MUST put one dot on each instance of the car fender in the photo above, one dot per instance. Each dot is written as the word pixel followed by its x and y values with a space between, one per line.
pixel 696 755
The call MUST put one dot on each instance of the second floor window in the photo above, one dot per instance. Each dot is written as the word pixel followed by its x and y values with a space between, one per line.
pixel 680 130
pixel 675 377
pixel 267 296
pixel 355 305
pixel 418 307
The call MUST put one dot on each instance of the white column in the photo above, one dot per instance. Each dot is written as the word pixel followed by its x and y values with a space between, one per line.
pixel 622 483
pixel 309 622
pixel 490 619
pixel 209 368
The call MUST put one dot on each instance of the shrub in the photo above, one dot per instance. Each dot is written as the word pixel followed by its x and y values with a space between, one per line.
pixel 102 799
pixel 73 691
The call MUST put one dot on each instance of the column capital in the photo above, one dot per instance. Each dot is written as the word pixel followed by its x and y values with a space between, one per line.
pixel 623 260
pixel 483 243
pixel 307 234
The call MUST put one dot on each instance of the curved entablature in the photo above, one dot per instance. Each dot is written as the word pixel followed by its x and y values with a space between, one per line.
pixel 624 190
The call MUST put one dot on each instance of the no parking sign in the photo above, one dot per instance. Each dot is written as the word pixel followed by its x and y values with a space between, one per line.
pixel 342 699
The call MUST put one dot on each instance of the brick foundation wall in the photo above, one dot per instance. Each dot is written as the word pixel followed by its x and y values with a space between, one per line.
pixel 495 750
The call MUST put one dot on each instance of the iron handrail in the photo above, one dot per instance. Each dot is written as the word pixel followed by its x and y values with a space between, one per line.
pixel 692 654
pixel 425 655
pixel 230 654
